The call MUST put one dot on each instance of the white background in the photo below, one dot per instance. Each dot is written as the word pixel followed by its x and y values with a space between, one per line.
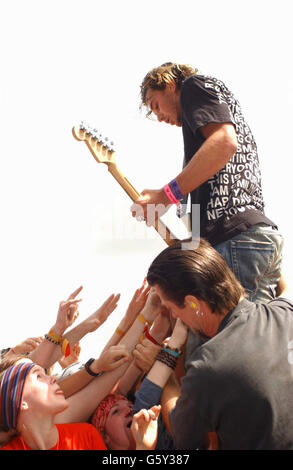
pixel 65 221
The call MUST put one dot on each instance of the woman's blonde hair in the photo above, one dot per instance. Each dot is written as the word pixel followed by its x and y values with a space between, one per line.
pixel 159 77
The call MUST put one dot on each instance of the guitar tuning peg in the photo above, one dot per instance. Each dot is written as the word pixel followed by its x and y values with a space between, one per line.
pixel 95 133
pixel 82 125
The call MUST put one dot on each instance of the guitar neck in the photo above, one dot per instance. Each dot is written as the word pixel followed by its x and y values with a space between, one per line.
pixel 160 227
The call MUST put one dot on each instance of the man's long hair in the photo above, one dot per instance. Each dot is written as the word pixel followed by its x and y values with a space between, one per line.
pixel 159 77
pixel 201 272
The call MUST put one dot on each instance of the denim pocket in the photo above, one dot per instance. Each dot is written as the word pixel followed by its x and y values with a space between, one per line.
pixel 255 258
pixel 251 262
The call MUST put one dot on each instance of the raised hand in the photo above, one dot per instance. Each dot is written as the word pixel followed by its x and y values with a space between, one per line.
pixel 72 358
pixel 144 428
pixel 111 358
pixel 100 316
pixel 179 334
pixel 28 345
pixel 153 305
pixel 137 302
pixel 145 355
pixel 68 312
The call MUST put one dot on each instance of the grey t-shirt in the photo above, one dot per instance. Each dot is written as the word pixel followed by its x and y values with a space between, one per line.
pixel 240 382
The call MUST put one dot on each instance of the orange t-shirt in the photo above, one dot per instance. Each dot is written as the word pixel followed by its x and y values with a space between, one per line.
pixel 72 436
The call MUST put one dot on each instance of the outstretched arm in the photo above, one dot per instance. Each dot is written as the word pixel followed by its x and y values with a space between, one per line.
pixel 135 306
pixel 109 360
pixel 145 353
pixel 83 403
pixel 48 353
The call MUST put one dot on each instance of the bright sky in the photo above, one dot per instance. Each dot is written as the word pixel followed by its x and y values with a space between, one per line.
pixel 65 221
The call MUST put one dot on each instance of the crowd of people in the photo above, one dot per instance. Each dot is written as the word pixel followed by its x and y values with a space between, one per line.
pixel 202 358
pixel 147 389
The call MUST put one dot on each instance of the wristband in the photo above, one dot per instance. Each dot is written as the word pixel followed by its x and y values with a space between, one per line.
pixel 120 332
pixel 172 351
pixel 167 359
pixel 149 336
pixel 89 371
pixel 174 186
pixel 141 318
pixel 55 337
pixel 65 347
pixel 169 194
pixel 52 340
pixel 175 350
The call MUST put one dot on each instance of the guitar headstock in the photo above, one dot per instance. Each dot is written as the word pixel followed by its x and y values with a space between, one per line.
pixel 101 147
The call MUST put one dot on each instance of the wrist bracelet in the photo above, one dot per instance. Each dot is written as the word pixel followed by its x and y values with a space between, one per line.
pixel 149 336
pixel 169 194
pixel 52 340
pixel 171 351
pixel 177 351
pixel 120 332
pixel 141 318
pixel 167 359
pixel 65 347
pixel 89 371
pixel 174 186
pixel 54 337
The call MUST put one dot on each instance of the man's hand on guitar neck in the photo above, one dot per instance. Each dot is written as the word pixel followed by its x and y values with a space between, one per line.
pixel 151 204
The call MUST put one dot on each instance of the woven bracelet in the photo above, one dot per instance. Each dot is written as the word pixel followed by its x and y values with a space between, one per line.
pixel 167 358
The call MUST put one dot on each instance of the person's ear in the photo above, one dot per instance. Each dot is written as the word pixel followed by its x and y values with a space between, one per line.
pixel 191 301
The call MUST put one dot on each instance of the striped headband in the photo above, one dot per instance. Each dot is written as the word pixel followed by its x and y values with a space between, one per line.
pixel 12 385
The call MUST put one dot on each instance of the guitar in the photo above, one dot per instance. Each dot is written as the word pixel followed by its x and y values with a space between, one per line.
pixel 103 152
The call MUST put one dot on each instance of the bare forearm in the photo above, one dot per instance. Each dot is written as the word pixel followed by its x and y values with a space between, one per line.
pixel 47 353
pixel 213 155
pixel 170 395
pixel 83 403
pixel 123 327
pixel 129 379
pixel 75 382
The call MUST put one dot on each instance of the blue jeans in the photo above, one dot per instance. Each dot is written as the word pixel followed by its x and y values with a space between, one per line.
pixel 255 258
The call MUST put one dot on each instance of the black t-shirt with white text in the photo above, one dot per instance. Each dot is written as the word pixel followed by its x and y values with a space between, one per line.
pixel 231 201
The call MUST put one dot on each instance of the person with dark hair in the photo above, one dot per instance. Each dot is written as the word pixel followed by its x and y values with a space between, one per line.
pixel 238 383
pixel 221 173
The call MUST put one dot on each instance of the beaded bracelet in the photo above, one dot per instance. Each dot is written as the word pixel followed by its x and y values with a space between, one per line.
pixel 55 336
pixel 52 340
pixel 167 359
